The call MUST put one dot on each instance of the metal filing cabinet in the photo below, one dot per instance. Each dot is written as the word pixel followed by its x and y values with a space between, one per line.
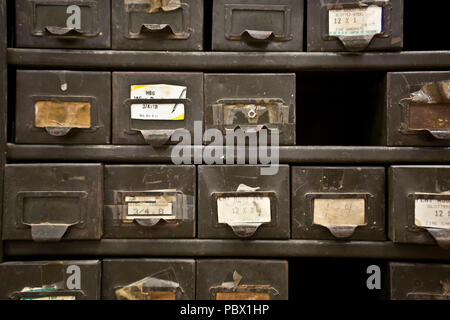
pixel 157 25
pixel 353 25
pixel 150 107
pixel 419 205
pixel 148 279
pixel 53 202
pixel 50 280
pixel 150 201
pixel 65 24
pixel 419 281
pixel 63 107
pixel 262 25
pixel 251 102
pixel 338 203
pixel 417 109
pixel 238 202
pixel 242 280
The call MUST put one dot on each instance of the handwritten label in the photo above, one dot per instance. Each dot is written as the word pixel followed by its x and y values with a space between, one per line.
pixel 158 111
pixel 339 212
pixel 356 22
pixel 432 213
pixel 242 210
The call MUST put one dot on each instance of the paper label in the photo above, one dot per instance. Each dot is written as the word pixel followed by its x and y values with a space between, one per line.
pixel 157 111
pixel 432 213
pixel 242 296
pixel 241 210
pixel 148 208
pixel 62 114
pixel 356 22
pixel 339 212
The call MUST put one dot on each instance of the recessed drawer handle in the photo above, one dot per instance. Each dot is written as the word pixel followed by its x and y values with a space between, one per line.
pixel 62 31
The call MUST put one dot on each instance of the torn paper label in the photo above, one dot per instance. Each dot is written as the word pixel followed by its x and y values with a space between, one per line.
pixel 356 22
pixel 148 208
pixel 432 213
pixel 339 212
pixel 158 91
pixel 158 111
pixel 243 210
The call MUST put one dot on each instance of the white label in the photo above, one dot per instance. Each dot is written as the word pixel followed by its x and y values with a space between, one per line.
pixel 355 22
pixel 339 212
pixel 432 213
pixel 243 210
pixel 148 208
pixel 158 111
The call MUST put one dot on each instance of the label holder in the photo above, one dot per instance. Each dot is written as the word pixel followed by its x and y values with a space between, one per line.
pixel 182 208
pixel 47 231
pixel 440 235
pixel 64 131
pixel 342 232
pixel 245 230
pixel 253 110
pixel 64 32
pixel 262 36
pixel 357 43
pixel 164 30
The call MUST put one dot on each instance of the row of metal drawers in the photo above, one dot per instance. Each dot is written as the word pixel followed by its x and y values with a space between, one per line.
pixel 145 279
pixel 53 202
pixel 237 25
pixel 74 107
pixel 164 279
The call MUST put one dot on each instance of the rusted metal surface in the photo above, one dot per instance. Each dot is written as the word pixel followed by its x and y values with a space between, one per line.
pixel 251 102
pixel 125 181
pixel 50 24
pixel 50 280
pixel 148 279
pixel 63 107
pixel 347 185
pixel 157 25
pixel 407 185
pixel 53 202
pixel 418 281
pixel 389 38
pixel 264 25
pixel 242 280
pixel 417 111
pixel 272 192
pixel 434 117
